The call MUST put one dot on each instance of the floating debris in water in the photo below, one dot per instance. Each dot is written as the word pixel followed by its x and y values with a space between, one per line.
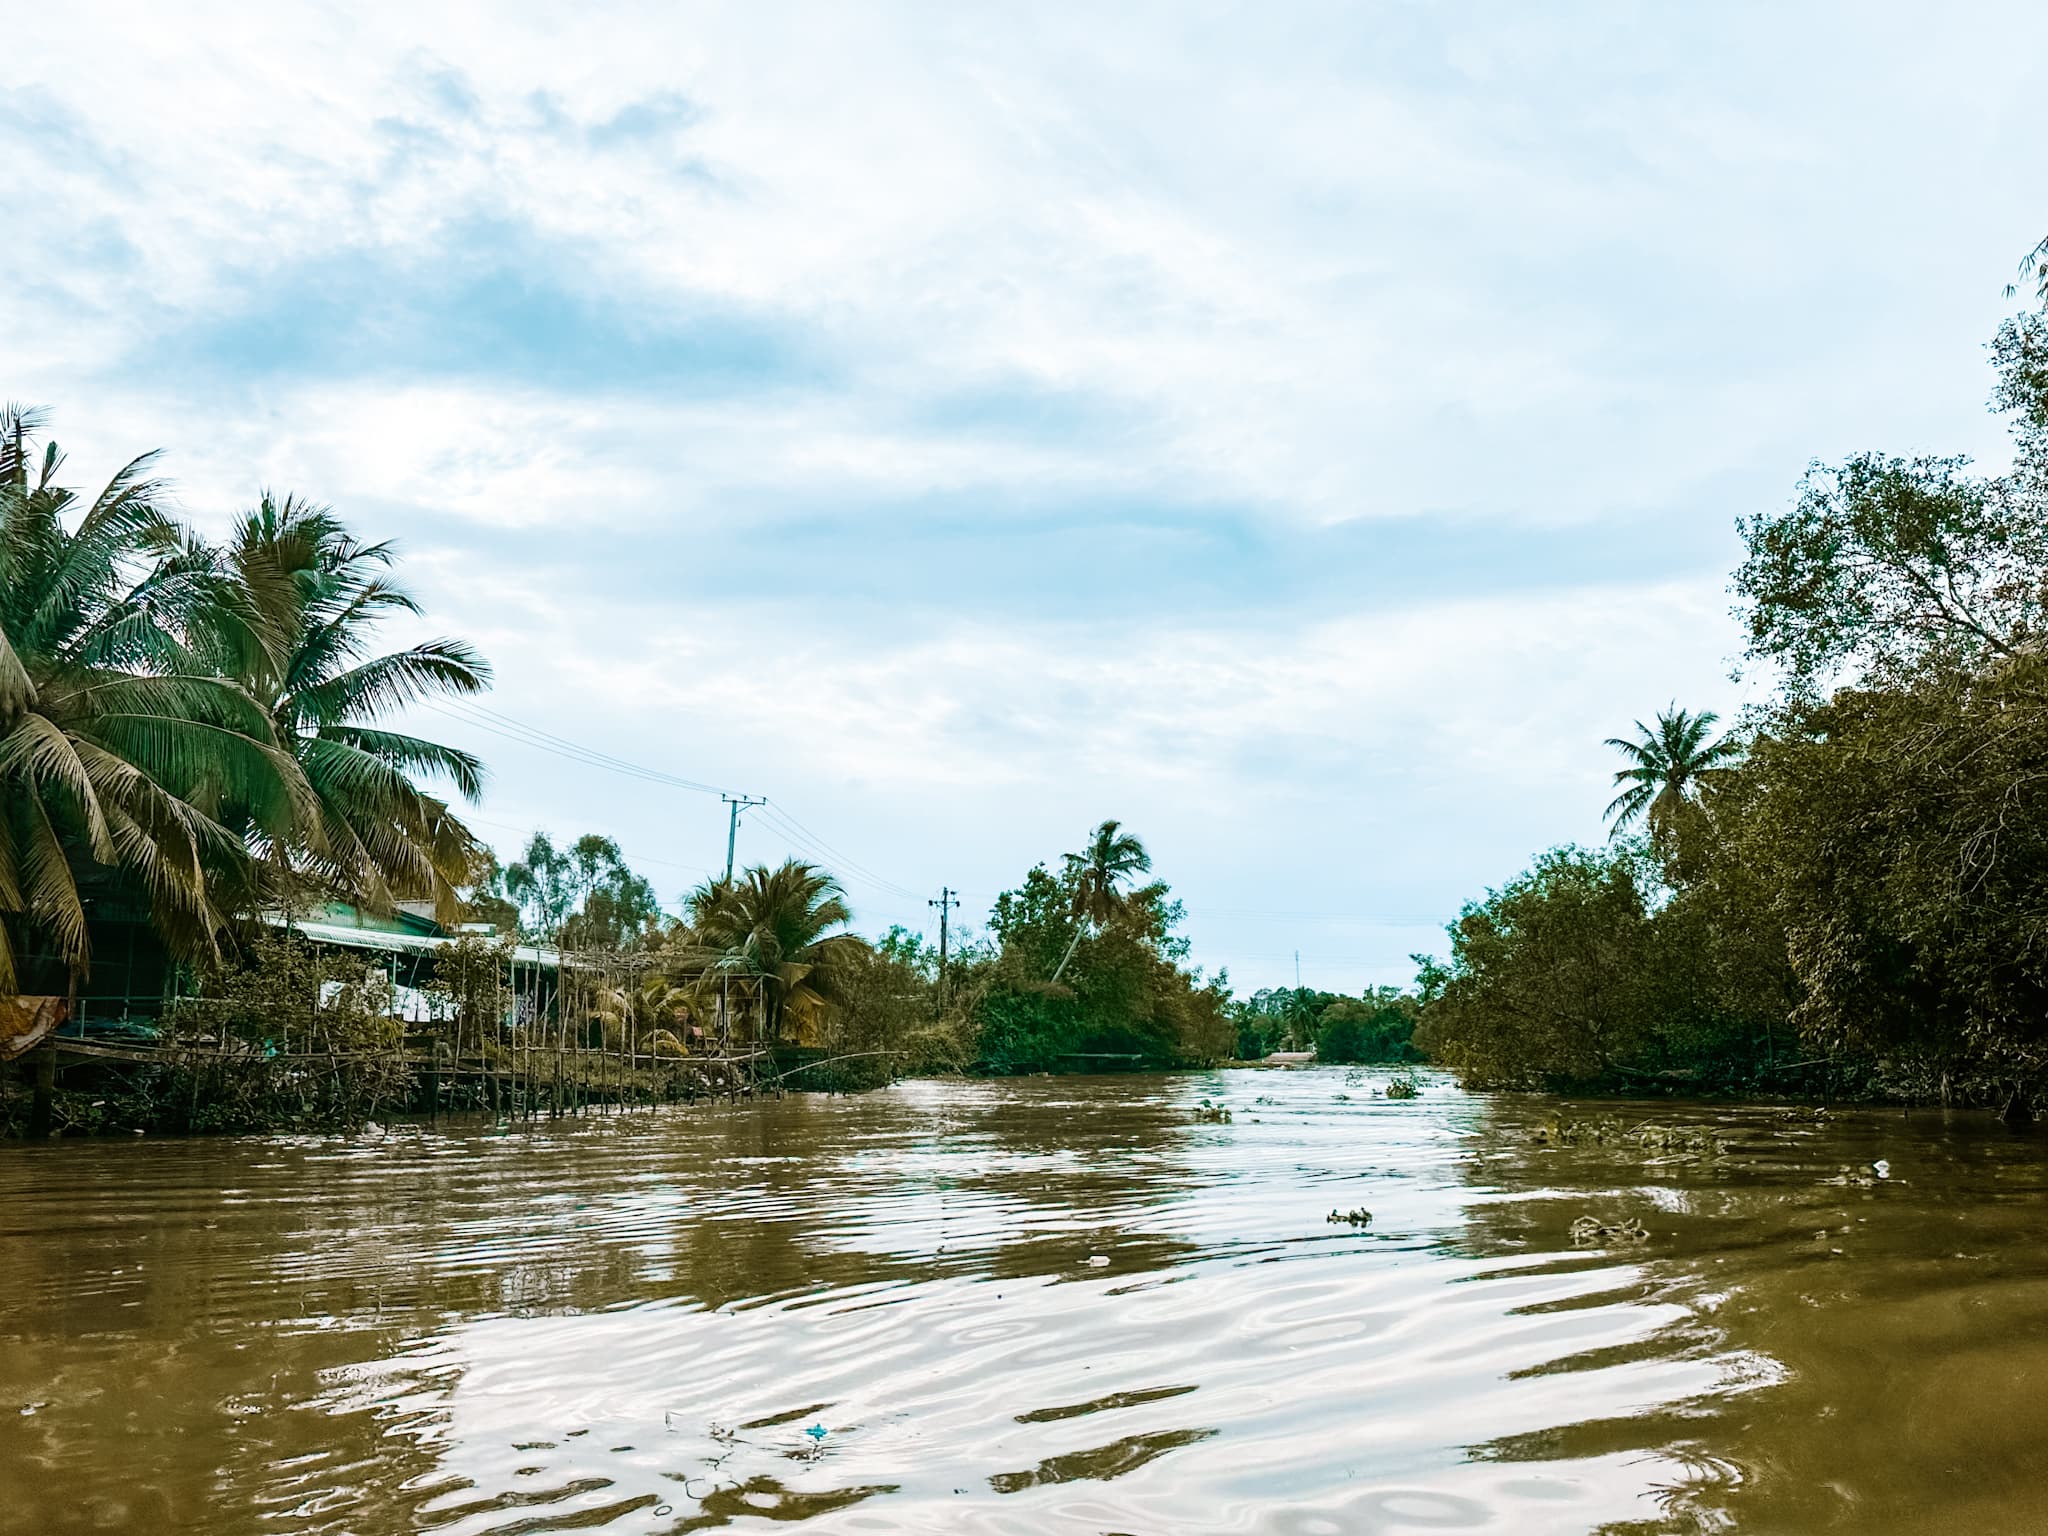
pixel 1667 1142
pixel 1357 1218
pixel 1882 1168
pixel 1403 1088
pixel 1098 1261
pixel 1214 1113
pixel 1805 1114
pixel 1589 1230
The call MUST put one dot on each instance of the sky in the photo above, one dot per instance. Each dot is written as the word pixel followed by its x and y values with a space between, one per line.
pixel 1302 432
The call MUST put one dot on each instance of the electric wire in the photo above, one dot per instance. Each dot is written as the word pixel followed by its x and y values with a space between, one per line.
pixel 510 729
pixel 782 820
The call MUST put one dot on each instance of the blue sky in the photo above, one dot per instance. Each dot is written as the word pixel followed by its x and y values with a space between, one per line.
pixel 1302 432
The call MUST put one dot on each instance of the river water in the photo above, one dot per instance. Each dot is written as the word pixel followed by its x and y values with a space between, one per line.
pixel 1042 1306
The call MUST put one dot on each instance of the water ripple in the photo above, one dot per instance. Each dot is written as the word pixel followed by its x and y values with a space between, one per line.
pixel 1049 1306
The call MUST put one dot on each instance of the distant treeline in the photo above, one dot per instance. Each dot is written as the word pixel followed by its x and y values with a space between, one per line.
pixel 1080 967
pixel 1374 1028
pixel 1849 893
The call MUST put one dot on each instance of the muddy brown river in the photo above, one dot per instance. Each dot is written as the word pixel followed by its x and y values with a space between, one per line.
pixel 1040 1306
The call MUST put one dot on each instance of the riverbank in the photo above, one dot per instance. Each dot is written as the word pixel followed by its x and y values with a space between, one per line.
pixel 73 1087
pixel 183 1091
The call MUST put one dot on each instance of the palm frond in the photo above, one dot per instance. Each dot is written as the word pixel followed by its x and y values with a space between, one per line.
pixel 16 690
pixel 393 681
pixel 415 754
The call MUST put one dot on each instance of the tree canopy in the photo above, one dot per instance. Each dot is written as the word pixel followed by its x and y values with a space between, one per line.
pixel 192 728
pixel 1861 907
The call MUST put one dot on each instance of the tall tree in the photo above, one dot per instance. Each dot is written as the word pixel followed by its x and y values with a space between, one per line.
pixel 782 932
pixel 1667 768
pixel 1887 568
pixel 109 738
pixel 1098 875
pixel 313 596
pixel 582 894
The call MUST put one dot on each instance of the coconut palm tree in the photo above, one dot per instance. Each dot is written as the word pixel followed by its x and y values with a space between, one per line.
pixel 1098 875
pixel 1667 769
pixel 780 933
pixel 312 596
pixel 110 739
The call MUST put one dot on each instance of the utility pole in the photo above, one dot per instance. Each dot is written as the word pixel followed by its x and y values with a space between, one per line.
pixel 944 901
pixel 1299 1032
pixel 732 832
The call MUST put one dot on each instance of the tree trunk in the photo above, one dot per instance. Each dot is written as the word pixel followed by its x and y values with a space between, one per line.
pixel 42 1102
pixel 1073 944
pixel 2017 1112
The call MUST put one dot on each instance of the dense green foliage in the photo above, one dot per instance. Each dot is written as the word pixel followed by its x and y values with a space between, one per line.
pixel 115 748
pixel 1376 1028
pixel 781 934
pixel 580 897
pixel 281 1036
pixel 195 728
pixel 1081 972
pixel 300 600
pixel 1856 904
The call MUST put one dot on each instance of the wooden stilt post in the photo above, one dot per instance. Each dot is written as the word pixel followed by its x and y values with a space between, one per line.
pixel 42 1104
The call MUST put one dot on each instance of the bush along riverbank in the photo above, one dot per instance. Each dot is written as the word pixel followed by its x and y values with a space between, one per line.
pixel 569 989
pixel 288 1038
pixel 1843 895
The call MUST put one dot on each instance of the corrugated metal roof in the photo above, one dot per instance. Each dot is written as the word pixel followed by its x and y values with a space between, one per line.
pixel 347 936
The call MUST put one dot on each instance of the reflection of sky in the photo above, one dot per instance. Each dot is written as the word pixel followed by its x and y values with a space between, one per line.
pixel 507 1327
pixel 1303 437
pixel 1235 1357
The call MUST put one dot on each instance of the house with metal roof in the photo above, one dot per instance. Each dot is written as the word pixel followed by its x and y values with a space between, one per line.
pixel 133 980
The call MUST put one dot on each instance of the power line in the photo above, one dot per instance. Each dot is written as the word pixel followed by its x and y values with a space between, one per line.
pixel 857 874
pixel 1258 914
pixel 481 717
pixel 781 816
pixel 577 746
pixel 506 826
pixel 508 728
pixel 590 757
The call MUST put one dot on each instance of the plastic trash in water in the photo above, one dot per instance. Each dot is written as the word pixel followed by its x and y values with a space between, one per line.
pixel 1881 1168
pixel 817 1432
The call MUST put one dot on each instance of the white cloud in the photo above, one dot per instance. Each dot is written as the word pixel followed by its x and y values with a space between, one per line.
pixel 1593 279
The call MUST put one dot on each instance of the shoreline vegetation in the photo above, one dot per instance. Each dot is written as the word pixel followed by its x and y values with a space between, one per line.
pixel 1845 896
pixel 1839 895
pixel 234 897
